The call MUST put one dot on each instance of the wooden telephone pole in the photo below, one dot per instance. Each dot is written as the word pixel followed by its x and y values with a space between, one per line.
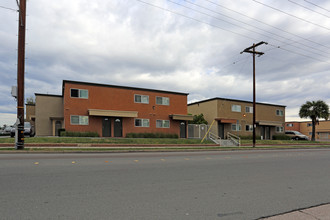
pixel 254 52
pixel 20 74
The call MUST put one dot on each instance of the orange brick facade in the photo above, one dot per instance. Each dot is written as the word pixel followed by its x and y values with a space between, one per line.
pixel 117 98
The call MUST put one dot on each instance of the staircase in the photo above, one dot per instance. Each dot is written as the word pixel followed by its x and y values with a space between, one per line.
pixel 231 141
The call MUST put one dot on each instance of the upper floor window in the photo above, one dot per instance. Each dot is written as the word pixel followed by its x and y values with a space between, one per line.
pixel 141 122
pixel 309 124
pixel 162 100
pixel 79 93
pixel 248 109
pixel 289 125
pixel 279 112
pixel 162 123
pixel 141 99
pixel 236 108
pixel 79 120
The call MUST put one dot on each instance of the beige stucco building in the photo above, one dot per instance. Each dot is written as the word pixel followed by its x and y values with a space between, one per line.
pixel 49 114
pixel 236 117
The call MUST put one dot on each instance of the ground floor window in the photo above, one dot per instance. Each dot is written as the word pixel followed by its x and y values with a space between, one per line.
pixel 279 129
pixel 162 123
pixel 79 120
pixel 249 127
pixel 141 122
pixel 236 127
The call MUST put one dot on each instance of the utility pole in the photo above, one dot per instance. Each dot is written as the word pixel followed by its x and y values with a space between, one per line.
pixel 20 74
pixel 254 52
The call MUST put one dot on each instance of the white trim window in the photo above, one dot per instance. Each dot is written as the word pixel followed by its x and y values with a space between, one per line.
pixel 162 100
pixel 79 120
pixel 141 99
pixel 79 93
pixel 279 129
pixel 248 109
pixel 236 127
pixel 140 122
pixel 248 127
pixel 236 108
pixel 279 112
pixel 289 125
pixel 162 123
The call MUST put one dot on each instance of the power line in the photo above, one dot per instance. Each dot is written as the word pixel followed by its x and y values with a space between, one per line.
pixel 11 9
pixel 194 19
pixel 313 48
pixel 306 39
pixel 308 8
pixel 233 32
pixel 291 15
pixel 312 3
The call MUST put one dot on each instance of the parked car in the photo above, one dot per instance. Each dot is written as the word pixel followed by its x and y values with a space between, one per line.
pixel 28 130
pixel 296 135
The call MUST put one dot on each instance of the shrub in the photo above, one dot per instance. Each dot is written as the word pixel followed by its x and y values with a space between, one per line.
pixel 281 137
pixel 151 135
pixel 250 137
pixel 78 134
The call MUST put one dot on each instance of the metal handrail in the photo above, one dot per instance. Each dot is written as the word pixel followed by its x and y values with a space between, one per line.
pixel 234 138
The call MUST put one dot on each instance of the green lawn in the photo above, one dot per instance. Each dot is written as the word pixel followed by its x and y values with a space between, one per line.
pixel 289 142
pixel 106 140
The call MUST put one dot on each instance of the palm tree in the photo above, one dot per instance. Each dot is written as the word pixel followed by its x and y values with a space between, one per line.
pixel 315 111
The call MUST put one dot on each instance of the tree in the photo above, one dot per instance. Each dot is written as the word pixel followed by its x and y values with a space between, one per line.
pixel 198 119
pixel 30 100
pixel 314 110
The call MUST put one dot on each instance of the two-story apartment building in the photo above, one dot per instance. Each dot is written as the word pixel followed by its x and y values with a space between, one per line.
pixel 322 128
pixel 236 116
pixel 112 111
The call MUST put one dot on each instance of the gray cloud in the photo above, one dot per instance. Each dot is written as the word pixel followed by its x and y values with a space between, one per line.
pixel 134 44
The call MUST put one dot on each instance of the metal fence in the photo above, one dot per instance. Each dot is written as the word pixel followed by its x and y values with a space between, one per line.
pixel 197 131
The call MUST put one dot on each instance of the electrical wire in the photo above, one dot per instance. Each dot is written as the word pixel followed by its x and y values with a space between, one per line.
pixel 11 9
pixel 245 23
pixel 312 3
pixel 308 8
pixel 291 15
pixel 306 39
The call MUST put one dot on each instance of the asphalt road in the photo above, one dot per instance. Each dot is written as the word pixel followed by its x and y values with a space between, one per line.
pixel 186 185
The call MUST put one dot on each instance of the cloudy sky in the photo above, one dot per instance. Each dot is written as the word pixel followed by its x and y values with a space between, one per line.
pixel 178 45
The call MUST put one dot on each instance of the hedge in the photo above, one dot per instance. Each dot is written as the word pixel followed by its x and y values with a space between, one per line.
pixel 151 135
pixel 78 134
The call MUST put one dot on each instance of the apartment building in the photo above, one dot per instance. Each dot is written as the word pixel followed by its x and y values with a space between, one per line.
pixel 112 111
pixel 322 129
pixel 236 117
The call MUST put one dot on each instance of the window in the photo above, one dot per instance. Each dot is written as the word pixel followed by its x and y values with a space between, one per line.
pixel 79 120
pixel 236 108
pixel 279 112
pixel 141 122
pixel 309 124
pixel 279 129
pixel 248 109
pixel 249 127
pixel 162 100
pixel 79 93
pixel 289 125
pixel 141 99
pixel 235 127
pixel 162 123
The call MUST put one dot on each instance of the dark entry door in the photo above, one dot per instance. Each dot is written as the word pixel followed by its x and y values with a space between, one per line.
pixel 221 130
pixel 183 130
pixel 58 126
pixel 118 127
pixel 106 127
pixel 265 132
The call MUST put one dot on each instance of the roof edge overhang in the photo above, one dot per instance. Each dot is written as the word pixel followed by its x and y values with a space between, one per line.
pixel 226 120
pixel 182 117
pixel 271 123
pixel 112 113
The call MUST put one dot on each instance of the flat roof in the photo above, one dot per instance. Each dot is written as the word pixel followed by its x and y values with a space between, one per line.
pixel 40 94
pixel 121 87
pixel 233 100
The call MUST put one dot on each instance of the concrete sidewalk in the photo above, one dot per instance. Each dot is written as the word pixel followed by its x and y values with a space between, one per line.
pixel 321 212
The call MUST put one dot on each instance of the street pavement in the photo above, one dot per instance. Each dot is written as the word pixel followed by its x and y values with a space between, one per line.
pixel 182 185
